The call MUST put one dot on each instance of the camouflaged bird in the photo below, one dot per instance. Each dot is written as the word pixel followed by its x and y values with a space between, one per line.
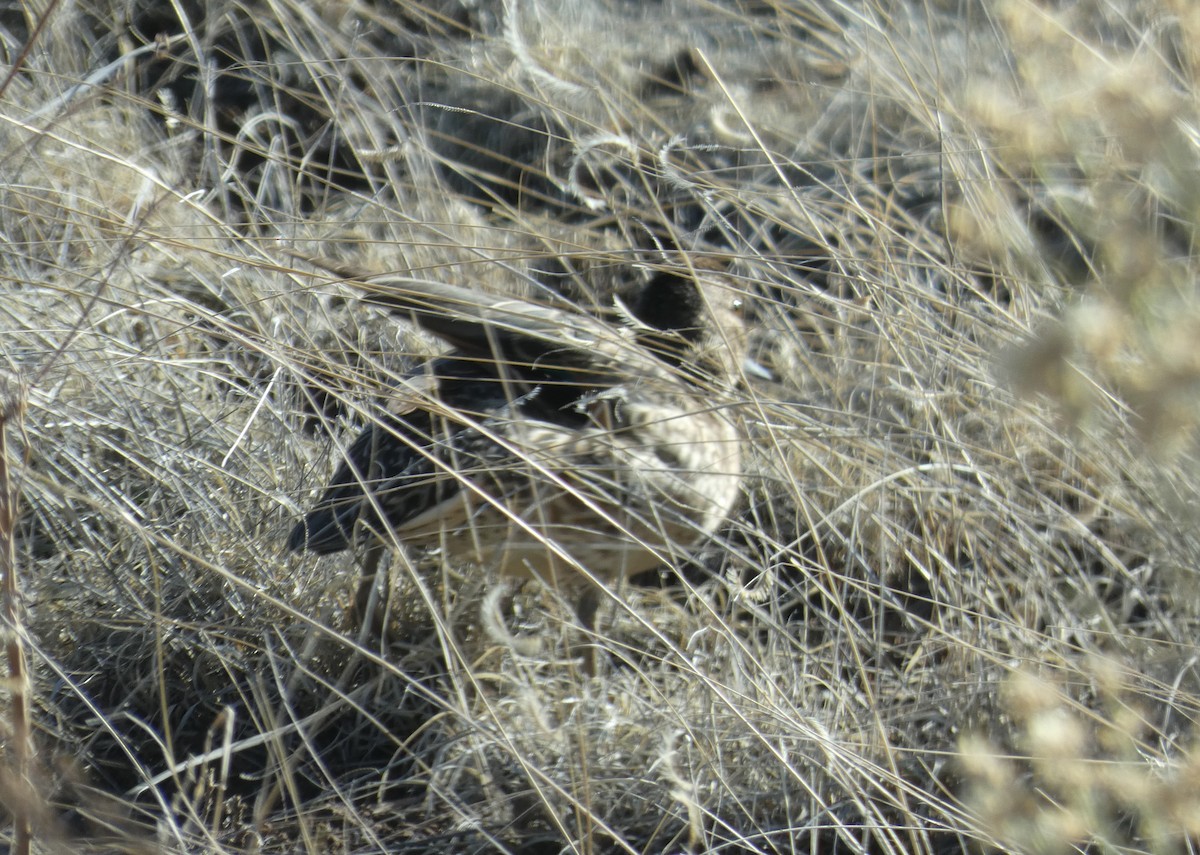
pixel 548 443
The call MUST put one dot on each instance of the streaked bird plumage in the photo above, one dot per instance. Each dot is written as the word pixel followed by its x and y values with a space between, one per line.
pixel 547 442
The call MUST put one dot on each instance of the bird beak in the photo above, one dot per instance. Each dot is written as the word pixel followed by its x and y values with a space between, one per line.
pixel 754 368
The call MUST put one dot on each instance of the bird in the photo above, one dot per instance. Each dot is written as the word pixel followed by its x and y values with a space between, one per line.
pixel 547 442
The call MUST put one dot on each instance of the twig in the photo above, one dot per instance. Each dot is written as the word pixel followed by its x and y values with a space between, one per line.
pixel 12 409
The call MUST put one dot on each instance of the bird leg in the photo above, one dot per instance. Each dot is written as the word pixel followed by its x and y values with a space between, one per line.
pixel 370 608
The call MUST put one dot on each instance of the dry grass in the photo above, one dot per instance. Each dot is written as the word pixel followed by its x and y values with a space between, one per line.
pixel 959 606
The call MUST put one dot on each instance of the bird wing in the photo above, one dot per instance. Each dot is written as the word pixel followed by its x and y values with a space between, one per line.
pixel 380 455
pixel 488 325
pixel 418 452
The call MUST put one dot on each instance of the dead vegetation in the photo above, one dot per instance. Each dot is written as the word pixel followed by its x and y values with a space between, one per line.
pixel 958 606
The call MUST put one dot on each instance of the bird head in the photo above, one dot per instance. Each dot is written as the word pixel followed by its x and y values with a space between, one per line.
pixel 693 316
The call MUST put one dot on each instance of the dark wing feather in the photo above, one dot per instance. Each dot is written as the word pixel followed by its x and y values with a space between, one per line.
pixel 381 455
pixel 505 329
pixel 402 465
